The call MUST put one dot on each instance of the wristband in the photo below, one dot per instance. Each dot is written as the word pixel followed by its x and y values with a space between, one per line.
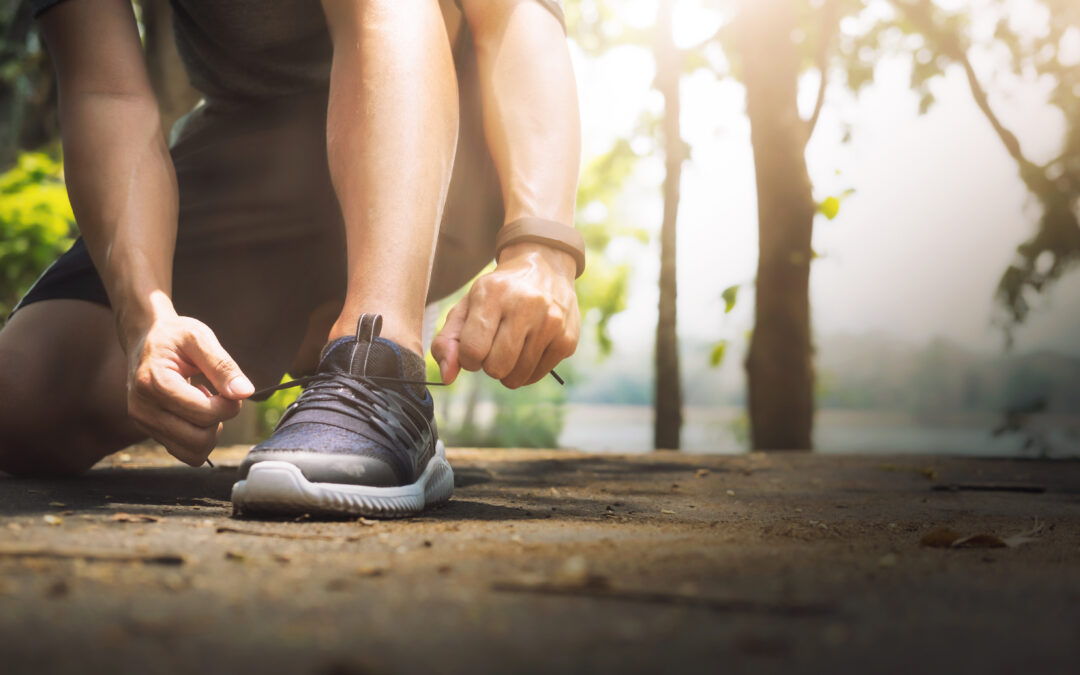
pixel 547 232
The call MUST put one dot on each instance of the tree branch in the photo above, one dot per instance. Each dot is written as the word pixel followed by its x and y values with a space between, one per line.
pixel 811 123
pixel 828 28
pixel 1007 137
pixel 950 46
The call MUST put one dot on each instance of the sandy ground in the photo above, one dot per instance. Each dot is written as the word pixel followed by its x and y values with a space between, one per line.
pixel 550 561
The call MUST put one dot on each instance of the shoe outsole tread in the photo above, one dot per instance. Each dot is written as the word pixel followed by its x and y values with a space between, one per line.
pixel 280 488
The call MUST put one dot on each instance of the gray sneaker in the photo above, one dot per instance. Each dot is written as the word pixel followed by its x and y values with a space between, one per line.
pixel 359 441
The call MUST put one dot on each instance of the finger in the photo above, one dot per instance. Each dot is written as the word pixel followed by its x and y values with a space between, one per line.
pixel 527 361
pixel 174 448
pixel 553 328
pixel 444 348
pixel 187 442
pixel 477 334
pixel 559 349
pixel 204 350
pixel 193 403
pixel 505 349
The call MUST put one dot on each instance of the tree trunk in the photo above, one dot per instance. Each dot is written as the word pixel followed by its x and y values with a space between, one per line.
pixel 174 92
pixel 668 394
pixel 780 363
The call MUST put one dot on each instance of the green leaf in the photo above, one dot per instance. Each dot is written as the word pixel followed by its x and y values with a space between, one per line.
pixel 730 295
pixel 830 207
pixel 716 357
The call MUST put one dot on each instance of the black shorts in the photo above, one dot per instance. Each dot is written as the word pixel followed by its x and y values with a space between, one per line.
pixel 260 239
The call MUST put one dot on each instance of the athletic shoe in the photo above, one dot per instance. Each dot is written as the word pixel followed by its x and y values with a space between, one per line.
pixel 359 441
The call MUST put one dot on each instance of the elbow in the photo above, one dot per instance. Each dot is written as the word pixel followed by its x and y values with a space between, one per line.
pixel 488 19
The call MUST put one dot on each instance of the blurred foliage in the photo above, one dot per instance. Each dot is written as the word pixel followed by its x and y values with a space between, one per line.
pixel 596 26
pixel 730 296
pixel 602 289
pixel 28 114
pixel 941 378
pixel 36 224
pixel 933 39
pixel 719 351
pixel 269 412
pixel 488 415
pixel 739 428
pixel 846 39
pixel 830 208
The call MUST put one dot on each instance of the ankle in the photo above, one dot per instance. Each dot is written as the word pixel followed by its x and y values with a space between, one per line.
pixel 403 335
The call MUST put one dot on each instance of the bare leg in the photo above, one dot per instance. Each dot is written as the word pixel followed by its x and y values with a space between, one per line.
pixel 391 134
pixel 63 377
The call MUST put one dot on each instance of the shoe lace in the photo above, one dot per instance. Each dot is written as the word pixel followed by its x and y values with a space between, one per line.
pixel 384 410
pixel 361 398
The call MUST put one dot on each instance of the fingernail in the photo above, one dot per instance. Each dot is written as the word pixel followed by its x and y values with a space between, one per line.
pixel 240 386
pixel 443 368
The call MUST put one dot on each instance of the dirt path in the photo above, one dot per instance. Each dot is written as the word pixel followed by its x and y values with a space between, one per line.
pixel 552 561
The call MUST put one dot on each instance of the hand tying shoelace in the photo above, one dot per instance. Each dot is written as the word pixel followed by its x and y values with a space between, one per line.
pixel 326 387
pixel 360 439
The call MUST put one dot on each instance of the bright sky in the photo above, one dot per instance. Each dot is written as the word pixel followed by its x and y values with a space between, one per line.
pixel 916 251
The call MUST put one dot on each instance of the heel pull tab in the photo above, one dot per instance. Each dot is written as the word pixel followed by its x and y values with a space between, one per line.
pixel 368 327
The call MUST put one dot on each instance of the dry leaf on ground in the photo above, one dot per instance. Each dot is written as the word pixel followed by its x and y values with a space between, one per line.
pixel 944 537
pixel 984 540
pixel 134 518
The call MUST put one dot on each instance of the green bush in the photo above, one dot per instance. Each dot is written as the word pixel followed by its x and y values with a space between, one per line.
pixel 271 410
pixel 36 224
pixel 530 417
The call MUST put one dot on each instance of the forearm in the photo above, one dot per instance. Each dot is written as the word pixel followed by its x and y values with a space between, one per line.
pixel 520 320
pixel 530 106
pixel 123 191
pixel 119 174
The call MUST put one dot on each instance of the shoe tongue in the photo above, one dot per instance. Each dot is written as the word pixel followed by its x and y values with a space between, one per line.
pixel 377 358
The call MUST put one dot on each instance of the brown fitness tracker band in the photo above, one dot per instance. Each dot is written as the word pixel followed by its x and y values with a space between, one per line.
pixel 547 232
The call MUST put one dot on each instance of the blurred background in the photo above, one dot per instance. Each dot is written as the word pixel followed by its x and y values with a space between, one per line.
pixel 846 225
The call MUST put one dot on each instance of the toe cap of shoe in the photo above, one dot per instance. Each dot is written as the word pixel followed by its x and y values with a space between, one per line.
pixel 321 467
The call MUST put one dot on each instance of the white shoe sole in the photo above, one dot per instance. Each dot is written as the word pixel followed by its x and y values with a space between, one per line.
pixel 280 487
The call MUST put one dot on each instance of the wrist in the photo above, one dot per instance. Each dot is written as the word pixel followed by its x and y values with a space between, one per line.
pixel 544 235
pixel 558 260
pixel 136 314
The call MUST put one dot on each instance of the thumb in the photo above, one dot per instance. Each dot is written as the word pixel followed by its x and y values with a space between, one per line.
pixel 204 350
pixel 445 345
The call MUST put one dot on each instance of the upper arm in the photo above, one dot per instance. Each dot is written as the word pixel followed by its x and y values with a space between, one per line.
pixel 95 48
